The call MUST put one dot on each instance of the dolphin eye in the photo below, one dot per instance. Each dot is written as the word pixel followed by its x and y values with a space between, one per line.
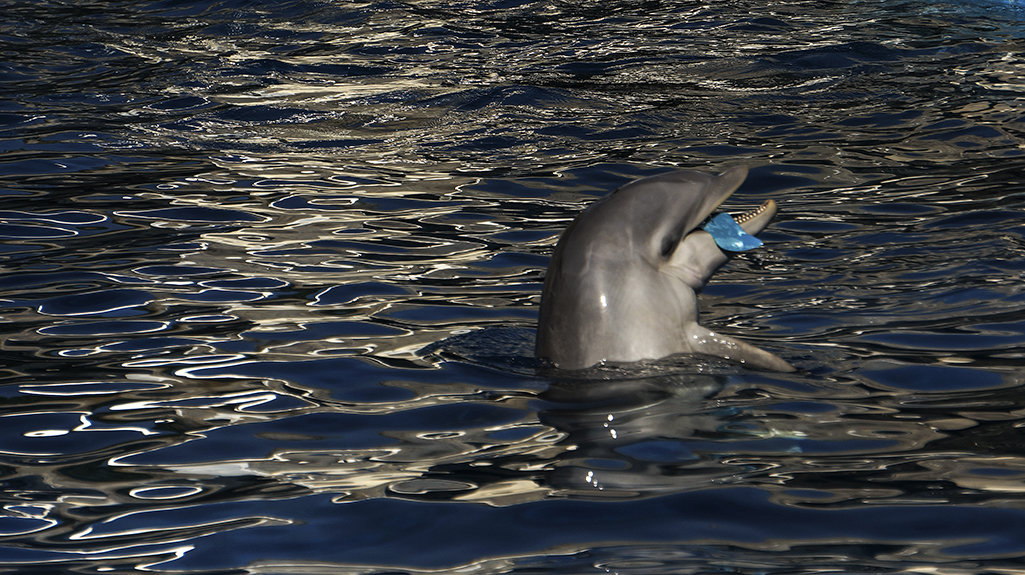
pixel 668 245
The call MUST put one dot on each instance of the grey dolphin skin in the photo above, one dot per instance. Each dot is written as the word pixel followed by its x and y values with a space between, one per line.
pixel 621 285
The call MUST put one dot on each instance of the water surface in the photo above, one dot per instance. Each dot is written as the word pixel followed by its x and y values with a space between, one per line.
pixel 271 273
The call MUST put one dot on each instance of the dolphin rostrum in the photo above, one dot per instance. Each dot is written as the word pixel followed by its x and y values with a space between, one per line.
pixel 621 284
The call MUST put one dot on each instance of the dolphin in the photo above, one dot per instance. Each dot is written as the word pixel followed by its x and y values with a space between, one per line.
pixel 621 285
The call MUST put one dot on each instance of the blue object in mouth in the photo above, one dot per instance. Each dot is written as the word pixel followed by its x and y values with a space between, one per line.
pixel 728 234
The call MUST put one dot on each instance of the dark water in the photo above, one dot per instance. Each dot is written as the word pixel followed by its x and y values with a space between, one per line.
pixel 271 272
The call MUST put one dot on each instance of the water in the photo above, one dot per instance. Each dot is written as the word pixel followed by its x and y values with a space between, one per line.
pixel 271 273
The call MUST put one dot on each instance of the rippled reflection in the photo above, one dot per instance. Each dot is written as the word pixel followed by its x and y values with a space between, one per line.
pixel 271 274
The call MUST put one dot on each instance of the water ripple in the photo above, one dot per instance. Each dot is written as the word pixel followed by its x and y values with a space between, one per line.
pixel 271 274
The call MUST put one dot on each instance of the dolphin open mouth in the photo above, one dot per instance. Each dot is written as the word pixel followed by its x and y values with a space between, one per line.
pixel 755 220
pixel 736 233
pixel 751 221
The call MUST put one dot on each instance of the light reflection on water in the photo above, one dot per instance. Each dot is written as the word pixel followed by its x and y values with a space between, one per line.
pixel 272 273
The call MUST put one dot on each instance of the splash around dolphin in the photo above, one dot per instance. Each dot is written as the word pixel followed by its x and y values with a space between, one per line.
pixel 621 285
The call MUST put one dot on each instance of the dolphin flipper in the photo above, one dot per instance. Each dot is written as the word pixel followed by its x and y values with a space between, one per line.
pixel 704 341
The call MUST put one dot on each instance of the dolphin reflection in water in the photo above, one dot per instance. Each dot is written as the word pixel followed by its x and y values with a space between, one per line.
pixel 621 285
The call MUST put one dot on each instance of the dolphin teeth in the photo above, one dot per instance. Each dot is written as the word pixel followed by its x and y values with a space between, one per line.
pixel 751 214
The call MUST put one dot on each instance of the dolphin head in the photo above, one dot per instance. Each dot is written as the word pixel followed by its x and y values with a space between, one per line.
pixel 654 222
pixel 621 283
pixel 695 256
